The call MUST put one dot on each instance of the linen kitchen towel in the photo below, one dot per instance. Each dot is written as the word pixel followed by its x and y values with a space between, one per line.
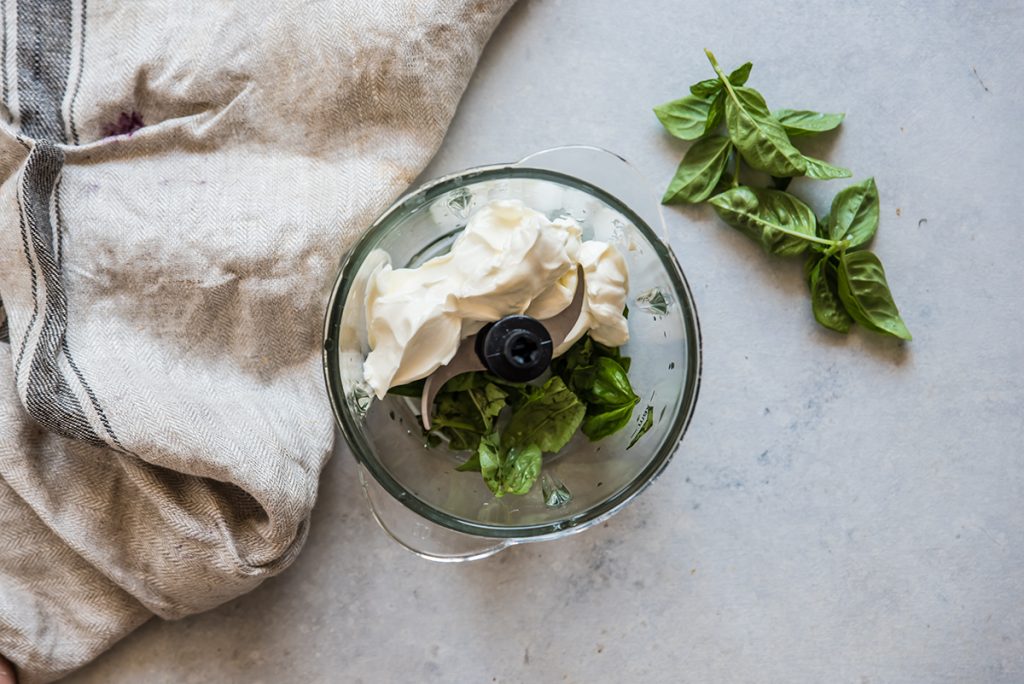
pixel 179 183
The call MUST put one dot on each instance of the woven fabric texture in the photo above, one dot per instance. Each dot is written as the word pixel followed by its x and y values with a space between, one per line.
pixel 178 184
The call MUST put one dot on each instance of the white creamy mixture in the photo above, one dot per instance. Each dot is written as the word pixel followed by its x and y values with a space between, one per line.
pixel 510 259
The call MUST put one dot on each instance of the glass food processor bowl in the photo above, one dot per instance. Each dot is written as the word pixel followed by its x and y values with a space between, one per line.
pixel 414 491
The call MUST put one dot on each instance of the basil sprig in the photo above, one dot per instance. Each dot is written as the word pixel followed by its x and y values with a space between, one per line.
pixel 847 283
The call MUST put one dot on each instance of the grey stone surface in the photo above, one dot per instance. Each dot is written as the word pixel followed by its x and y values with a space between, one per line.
pixel 844 509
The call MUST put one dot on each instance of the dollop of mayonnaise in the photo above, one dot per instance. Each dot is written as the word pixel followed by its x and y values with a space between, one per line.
pixel 510 259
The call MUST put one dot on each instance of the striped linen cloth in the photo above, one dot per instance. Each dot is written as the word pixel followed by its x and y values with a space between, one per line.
pixel 178 182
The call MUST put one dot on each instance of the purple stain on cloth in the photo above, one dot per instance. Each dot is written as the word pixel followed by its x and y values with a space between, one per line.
pixel 126 124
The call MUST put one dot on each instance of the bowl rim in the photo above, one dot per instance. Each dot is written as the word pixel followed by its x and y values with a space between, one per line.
pixel 578 521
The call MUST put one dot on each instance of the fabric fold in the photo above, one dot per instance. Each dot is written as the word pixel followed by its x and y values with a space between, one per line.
pixel 177 188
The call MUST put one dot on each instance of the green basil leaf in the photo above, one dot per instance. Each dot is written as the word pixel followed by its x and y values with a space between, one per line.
pixel 513 472
pixel 854 214
pixel 579 354
pixel 809 265
pixel 515 392
pixel 740 75
pixel 465 416
pixel 604 350
pixel 457 418
pixel 684 118
pixel 865 294
pixel 488 455
pixel 413 389
pixel 463 382
pixel 776 219
pixel 457 410
pixel 548 419
pixel 521 469
pixel 716 113
pixel 706 88
pixel 822 228
pixel 825 303
pixel 648 423
pixel 699 171
pixel 460 439
pixel 607 422
pixel 822 170
pixel 472 464
pixel 760 139
pixel 576 366
pixel 610 386
pixel 489 401
pixel 802 122
pixel 582 379
pixel 712 86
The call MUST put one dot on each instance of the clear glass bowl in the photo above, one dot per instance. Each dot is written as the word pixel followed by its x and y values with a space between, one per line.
pixel 414 491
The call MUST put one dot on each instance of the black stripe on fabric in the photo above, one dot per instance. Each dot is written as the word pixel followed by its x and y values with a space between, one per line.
pixel 3 13
pixel 44 57
pixel 49 398
pixel 92 396
pixel 78 79
pixel 58 246
pixel 5 332
pixel 35 290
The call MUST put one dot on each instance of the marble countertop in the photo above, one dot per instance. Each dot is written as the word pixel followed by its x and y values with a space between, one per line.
pixel 843 509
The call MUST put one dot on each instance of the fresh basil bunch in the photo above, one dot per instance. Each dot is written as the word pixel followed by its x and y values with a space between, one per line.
pixel 588 391
pixel 846 281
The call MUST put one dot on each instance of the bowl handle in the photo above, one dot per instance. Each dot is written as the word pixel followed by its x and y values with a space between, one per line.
pixel 422 537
